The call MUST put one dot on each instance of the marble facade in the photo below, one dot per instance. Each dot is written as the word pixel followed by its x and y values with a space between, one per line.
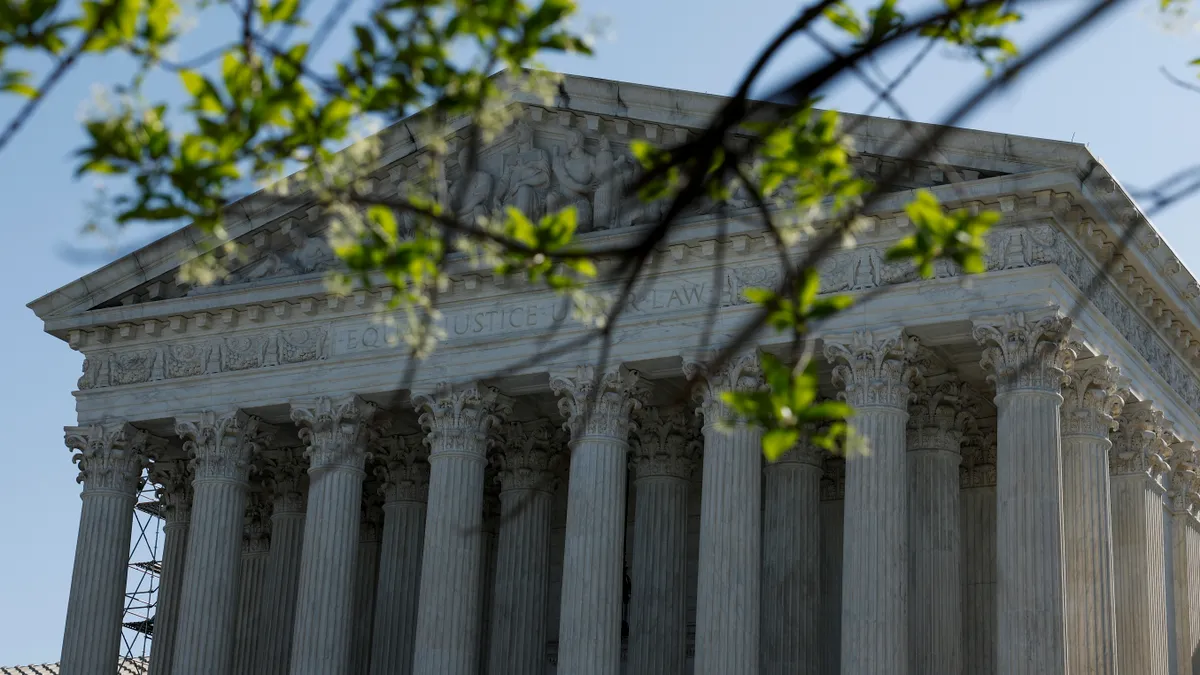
pixel 1030 504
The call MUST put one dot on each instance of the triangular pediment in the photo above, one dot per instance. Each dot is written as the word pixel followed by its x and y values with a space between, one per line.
pixel 556 155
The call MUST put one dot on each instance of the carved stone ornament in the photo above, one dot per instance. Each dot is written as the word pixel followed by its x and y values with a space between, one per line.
pixel 174 480
pixel 1025 353
pixel 600 405
pixel 222 445
pixel 1183 495
pixel 978 468
pixel 937 418
pixel 371 527
pixel 283 473
pixel 873 369
pixel 256 532
pixel 337 431
pixel 528 455
pixel 741 372
pixel 1139 443
pixel 1091 402
pixel 833 478
pixel 403 470
pixel 458 420
pixel 667 443
pixel 111 456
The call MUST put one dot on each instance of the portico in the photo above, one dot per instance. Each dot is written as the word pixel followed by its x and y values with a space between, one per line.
pixel 1006 516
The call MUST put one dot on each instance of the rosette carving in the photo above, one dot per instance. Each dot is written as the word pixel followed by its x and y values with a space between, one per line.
pixel 740 373
pixel 404 469
pixel 174 480
pixel 111 456
pixel 459 421
pixel 337 431
pixel 1140 442
pixel 667 442
pixel 222 445
pixel 283 473
pixel 938 418
pixel 600 406
pixel 873 369
pixel 1091 402
pixel 1024 353
pixel 528 455
pixel 256 532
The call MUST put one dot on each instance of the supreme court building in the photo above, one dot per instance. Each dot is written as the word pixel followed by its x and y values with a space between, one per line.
pixel 1030 503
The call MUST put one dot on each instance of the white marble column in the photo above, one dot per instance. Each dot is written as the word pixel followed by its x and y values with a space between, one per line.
pixel 598 408
pixel 978 503
pixel 1139 541
pixel 336 432
pixel 874 372
pixel 1184 506
pixel 729 568
pixel 527 454
pixel 110 458
pixel 936 424
pixel 457 421
pixel 223 445
pixel 254 592
pixel 665 450
pixel 285 476
pixel 1090 402
pixel 405 476
pixel 791 563
pixel 174 479
pixel 1027 357
pixel 366 575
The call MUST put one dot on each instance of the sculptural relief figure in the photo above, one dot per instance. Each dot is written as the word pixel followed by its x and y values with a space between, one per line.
pixel 604 203
pixel 575 174
pixel 310 254
pixel 634 211
pixel 526 176
pixel 476 194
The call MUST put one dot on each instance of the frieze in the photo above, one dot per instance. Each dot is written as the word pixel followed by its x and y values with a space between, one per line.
pixel 857 269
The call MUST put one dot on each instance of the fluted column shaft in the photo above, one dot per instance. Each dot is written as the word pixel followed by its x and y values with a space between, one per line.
pixel 522 587
pixel 1184 505
pixel 979 579
pixel 366 574
pixel 874 373
pixel 395 628
pixel 110 461
pixel 337 432
pixel 1028 358
pixel 447 638
pixel 1139 550
pixel 488 551
pixel 598 409
pixel 729 568
pixel 166 611
pixel 252 598
pixel 175 497
pixel 935 592
pixel 283 579
pixel 1090 401
pixel 223 445
pixel 791 564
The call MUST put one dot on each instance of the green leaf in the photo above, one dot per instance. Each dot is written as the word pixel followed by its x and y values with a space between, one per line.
pixel 776 442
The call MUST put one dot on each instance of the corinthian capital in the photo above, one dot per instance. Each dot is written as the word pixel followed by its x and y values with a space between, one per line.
pixel 111 456
pixel 939 415
pixel 458 420
pixel 1184 494
pixel 741 372
pixel 1091 401
pixel 874 369
pixel 599 406
pixel 1025 353
pixel 667 443
pixel 174 480
pixel 222 445
pixel 403 470
pixel 1140 442
pixel 337 430
pixel 528 455
pixel 256 532
pixel 283 474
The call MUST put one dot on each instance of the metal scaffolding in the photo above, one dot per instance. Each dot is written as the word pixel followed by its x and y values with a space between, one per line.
pixel 145 568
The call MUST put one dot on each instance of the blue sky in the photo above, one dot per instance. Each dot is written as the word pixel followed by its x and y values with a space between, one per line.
pixel 1105 90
